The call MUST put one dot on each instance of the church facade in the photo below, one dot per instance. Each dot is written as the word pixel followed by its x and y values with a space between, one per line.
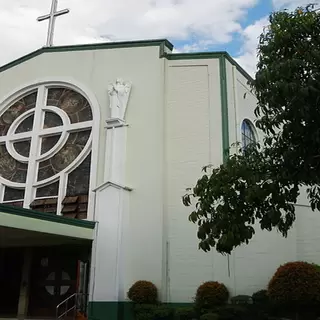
pixel 98 144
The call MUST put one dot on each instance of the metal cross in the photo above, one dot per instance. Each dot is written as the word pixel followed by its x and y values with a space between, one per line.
pixel 52 18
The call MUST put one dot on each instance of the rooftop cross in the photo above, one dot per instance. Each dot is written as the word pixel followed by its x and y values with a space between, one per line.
pixel 52 18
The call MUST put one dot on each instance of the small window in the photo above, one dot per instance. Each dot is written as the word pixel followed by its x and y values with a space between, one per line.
pixel 248 135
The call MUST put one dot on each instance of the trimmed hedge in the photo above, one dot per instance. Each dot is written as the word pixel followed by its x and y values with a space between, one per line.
pixel 143 292
pixel 209 316
pixel 211 294
pixel 260 297
pixel 241 299
pixel 295 284
pixel 185 313
pixel 153 312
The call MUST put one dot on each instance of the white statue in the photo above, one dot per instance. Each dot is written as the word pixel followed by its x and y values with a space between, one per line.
pixel 119 95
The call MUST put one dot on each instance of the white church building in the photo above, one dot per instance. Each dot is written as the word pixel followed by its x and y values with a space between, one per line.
pixel 97 146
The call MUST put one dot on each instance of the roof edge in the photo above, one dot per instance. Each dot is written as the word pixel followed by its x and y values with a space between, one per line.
pixel 162 43
pixel 240 69
pixel 208 55
pixel 28 213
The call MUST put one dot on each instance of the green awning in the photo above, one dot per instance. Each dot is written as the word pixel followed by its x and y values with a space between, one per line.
pixel 45 223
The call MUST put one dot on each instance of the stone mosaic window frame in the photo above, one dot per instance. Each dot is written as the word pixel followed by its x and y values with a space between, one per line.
pixel 33 104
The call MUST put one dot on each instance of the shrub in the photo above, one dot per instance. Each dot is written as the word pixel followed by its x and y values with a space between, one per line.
pixel 162 312
pixel 241 299
pixel 144 311
pixel 143 292
pixel 211 294
pixel 262 305
pixel 260 297
pixel 140 307
pixel 152 312
pixel 316 266
pixel 185 313
pixel 145 315
pixel 231 312
pixel 295 284
pixel 209 316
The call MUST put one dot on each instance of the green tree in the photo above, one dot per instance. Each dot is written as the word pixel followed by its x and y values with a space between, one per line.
pixel 261 183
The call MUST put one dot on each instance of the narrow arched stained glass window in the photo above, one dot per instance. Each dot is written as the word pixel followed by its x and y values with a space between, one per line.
pixel 248 135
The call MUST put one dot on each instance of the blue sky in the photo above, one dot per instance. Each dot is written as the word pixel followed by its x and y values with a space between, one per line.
pixel 255 13
pixel 191 25
pixel 260 11
pixel 243 42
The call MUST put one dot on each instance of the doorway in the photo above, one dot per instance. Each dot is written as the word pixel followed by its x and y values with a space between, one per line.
pixel 53 279
pixel 11 262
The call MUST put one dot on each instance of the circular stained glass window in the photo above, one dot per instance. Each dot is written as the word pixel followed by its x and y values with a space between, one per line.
pixel 48 129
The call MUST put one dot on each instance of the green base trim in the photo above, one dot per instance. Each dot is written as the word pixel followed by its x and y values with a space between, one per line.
pixel 104 310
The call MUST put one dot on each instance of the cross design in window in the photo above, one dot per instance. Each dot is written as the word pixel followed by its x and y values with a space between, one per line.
pixel 24 131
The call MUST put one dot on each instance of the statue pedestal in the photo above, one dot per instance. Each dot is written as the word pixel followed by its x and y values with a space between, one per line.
pixel 115 156
pixel 112 205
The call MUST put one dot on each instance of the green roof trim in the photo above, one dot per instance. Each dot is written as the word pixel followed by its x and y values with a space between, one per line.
pixel 161 43
pixel 224 107
pixel 46 216
pixel 209 55
pixel 195 55
pixel 222 56
pixel 239 68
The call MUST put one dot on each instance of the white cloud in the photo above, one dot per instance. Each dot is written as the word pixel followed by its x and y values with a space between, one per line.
pixel 203 22
pixel 290 4
pixel 247 57
pixel 248 53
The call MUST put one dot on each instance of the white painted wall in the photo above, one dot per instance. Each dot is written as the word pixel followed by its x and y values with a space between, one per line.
pixel 95 70
pixel 110 259
pixel 254 265
pixel 174 118
pixel 307 234
pixel 193 139
pixel 144 169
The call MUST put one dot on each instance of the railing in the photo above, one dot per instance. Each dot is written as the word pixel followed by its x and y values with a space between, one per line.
pixel 72 303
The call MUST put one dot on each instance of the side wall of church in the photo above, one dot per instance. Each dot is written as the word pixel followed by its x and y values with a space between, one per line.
pixel 254 265
pixel 193 139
